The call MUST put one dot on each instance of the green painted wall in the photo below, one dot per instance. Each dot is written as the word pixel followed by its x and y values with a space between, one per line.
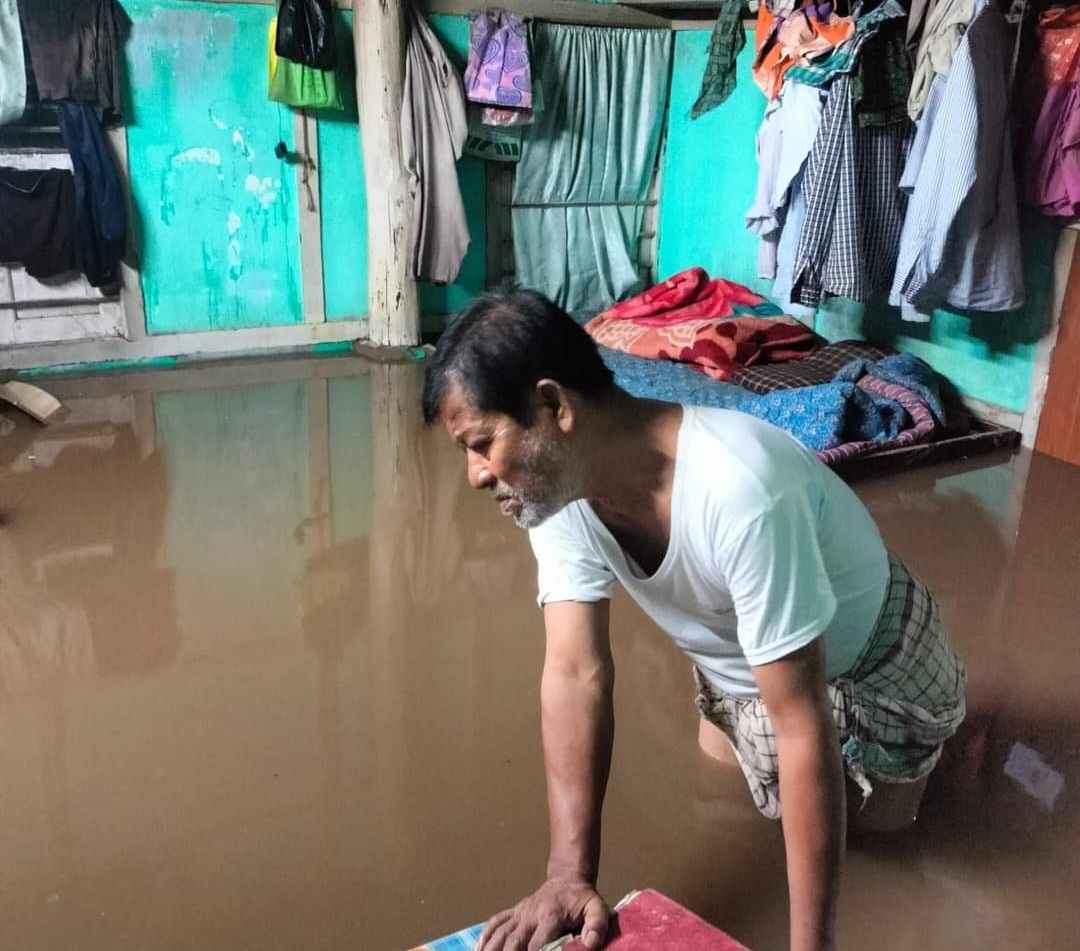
pixel 216 212
pixel 343 199
pixel 344 229
pixel 709 175
pixel 709 172
pixel 216 219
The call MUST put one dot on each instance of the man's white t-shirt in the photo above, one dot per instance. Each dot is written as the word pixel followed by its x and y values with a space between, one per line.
pixel 769 549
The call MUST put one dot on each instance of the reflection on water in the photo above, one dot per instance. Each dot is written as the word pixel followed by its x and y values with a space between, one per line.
pixel 269 678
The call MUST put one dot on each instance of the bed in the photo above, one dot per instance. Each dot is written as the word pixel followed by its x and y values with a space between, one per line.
pixel 857 436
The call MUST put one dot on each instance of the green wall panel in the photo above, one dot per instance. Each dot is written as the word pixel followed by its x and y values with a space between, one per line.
pixel 343 202
pixel 709 179
pixel 216 217
pixel 709 172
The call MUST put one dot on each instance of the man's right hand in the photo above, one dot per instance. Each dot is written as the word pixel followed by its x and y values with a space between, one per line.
pixel 558 907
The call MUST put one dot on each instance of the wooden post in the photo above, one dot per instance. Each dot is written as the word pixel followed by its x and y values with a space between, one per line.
pixel 379 34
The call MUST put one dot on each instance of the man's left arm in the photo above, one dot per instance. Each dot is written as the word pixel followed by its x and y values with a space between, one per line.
pixel 812 791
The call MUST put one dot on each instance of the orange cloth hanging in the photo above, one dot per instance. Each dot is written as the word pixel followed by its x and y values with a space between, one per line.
pixel 800 38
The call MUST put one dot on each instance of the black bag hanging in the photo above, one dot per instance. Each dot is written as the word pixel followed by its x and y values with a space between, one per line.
pixel 305 33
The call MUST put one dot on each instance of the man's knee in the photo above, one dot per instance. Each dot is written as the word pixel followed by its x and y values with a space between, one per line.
pixel 714 741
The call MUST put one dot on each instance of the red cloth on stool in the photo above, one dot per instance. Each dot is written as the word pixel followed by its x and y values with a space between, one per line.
pixel 651 922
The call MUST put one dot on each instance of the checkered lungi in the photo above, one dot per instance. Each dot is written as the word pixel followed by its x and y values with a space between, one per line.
pixel 902 699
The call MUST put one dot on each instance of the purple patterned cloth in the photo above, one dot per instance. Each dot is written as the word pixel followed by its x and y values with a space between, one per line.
pixel 498 72
pixel 923 423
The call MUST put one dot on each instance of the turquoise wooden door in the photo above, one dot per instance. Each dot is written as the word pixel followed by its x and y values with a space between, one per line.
pixel 216 210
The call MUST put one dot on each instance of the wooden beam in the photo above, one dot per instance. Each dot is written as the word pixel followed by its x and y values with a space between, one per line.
pixel 379 34
pixel 556 11
pixel 1056 375
pixel 681 25
pixel 1064 254
pixel 132 304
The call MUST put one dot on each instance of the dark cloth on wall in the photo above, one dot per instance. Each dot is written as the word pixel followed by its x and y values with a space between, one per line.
pixel 37 220
pixel 75 51
pixel 99 195
pixel 728 40
pixel 854 207
pixel 305 33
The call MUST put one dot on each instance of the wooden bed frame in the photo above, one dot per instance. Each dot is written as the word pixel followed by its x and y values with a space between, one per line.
pixel 985 437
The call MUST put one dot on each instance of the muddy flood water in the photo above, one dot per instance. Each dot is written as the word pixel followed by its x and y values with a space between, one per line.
pixel 269 679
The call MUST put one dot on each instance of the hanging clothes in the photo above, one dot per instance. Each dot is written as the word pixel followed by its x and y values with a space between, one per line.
pixel 433 131
pixel 783 143
pixel 99 195
pixel 727 41
pixel 37 220
pixel 12 63
pixel 498 72
pixel 920 9
pixel 942 31
pixel 783 42
pixel 588 161
pixel 492 143
pixel 882 83
pixel 787 248
pixel 960 245
pixel 1052 96
pixel 847 55
pixel 854 207
pixel 75 51
pixel 296 85
pixel 785 139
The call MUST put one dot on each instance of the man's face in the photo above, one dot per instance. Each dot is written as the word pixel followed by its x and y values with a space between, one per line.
pixel 524 467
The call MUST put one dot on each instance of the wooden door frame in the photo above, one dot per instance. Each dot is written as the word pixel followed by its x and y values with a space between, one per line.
pixel 1066 262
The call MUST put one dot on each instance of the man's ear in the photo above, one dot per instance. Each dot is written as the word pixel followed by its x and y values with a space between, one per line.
pixel 553 398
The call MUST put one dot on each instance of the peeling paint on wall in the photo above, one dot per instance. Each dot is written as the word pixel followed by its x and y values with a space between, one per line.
pixel 216 209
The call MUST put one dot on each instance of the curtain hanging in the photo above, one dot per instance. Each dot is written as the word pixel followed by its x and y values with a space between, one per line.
pixel 593 143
